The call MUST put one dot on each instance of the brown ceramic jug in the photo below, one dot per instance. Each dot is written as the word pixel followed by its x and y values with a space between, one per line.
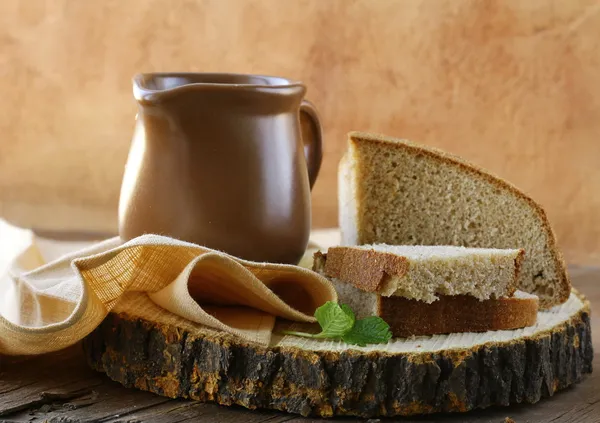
pixel 219 160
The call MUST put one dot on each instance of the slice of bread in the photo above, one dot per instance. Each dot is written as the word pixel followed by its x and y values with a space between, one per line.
pixel 449 314
pixel 364 271
pixel 398 192
pixel 424 272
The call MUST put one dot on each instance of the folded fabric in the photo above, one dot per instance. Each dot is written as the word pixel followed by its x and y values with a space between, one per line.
pixel 46 307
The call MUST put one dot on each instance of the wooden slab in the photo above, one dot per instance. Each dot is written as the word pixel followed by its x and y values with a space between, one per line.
pixel 142 346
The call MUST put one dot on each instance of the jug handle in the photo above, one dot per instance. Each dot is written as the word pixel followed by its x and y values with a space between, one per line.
pixel 313 145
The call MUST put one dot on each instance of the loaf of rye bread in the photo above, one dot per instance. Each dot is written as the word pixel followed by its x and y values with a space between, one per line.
pixel 397 192
pixel 361 274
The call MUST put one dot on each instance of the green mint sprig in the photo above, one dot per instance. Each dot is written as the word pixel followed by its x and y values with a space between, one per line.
pixel 339 322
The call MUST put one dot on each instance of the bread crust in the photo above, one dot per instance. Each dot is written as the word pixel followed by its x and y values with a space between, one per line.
pixel 456 313
pixel 365 269
pixel 518 265
pixel 564 283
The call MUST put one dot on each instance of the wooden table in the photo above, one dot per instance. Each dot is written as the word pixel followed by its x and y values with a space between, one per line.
pixel 59 387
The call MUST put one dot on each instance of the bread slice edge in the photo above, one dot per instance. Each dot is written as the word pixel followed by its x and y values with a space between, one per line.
pixel 380 272
pixel 449 314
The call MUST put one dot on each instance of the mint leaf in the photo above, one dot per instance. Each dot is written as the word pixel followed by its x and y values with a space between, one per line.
pixel 370 330
pixel 338 321
pixel 334 319
pixel 349 312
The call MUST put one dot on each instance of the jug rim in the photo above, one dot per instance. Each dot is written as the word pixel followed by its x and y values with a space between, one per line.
pixel 140 81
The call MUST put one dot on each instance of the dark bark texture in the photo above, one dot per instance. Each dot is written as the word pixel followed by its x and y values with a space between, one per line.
pixel 173 362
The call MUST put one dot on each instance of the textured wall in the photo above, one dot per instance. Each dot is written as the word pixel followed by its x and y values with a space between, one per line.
pixel 511 85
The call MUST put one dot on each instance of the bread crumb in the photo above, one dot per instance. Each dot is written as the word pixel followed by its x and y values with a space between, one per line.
pixel 508 420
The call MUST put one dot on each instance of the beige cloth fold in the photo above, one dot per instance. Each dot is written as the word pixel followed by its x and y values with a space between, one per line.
pixel 46 307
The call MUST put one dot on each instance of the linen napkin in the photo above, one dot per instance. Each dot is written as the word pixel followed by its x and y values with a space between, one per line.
pixel 48 306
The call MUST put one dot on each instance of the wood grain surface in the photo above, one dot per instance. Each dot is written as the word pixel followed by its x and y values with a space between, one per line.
pixel 510 85
pixel 59 387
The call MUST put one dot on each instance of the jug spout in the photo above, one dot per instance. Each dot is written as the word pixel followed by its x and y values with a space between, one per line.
pixel 149 89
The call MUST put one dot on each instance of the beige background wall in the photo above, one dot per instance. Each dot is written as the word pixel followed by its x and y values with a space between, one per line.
pixel 511 85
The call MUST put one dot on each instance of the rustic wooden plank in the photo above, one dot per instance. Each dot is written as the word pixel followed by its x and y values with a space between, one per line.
pixel 62 385
pixel 189 411
pixel 103 403
pixel 35 382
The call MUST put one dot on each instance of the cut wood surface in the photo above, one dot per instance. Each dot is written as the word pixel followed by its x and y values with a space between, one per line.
pixel 60 387
pixel 143 346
